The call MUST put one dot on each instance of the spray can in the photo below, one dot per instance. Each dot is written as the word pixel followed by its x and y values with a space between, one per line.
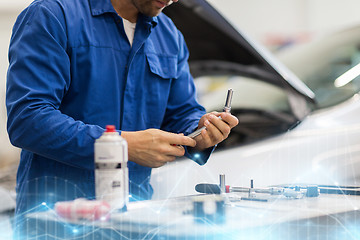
pixel 111 172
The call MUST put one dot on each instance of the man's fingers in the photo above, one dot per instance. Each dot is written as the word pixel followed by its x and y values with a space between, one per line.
pixel 213 131
pixel 180 139
pixel 177 150
pixel 215 113
pixel 231 120
pixel 222 127
pixel 205 137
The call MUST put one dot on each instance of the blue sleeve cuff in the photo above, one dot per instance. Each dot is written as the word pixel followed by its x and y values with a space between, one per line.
pixel 200 157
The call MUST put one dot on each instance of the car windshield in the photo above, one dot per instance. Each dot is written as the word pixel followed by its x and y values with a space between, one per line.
pixel 330 66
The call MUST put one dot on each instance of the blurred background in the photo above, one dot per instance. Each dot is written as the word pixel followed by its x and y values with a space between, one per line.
pixel 278 23
pixel 274 23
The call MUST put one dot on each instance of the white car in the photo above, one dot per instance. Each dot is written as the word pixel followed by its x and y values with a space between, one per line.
pixel 290 131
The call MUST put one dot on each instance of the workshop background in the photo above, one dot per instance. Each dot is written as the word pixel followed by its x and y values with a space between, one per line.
pixel 275 23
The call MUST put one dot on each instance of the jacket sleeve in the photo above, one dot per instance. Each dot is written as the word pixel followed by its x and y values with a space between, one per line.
pixel 38 78
pixel 183 111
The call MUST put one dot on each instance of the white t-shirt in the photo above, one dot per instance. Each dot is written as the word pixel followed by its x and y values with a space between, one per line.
pixel 129 30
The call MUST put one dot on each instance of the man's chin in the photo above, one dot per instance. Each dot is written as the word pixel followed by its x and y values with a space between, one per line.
pixel 156 8
pixel 153 13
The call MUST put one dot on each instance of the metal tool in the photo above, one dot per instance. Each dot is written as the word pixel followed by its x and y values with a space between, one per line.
pixel 215 189
pixel 227 108
pixel 295 193
pixel 222 183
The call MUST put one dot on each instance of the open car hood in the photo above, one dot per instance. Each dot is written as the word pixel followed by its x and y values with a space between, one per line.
pixel 216 47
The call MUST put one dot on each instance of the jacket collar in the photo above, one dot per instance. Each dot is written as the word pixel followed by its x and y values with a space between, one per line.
pixel 99 7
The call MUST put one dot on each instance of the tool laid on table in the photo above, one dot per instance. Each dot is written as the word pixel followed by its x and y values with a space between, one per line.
pixel 294 192
pixel 215 189
pixel 329 189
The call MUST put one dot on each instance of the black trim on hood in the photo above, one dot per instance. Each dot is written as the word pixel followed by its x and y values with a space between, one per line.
pixel 216 46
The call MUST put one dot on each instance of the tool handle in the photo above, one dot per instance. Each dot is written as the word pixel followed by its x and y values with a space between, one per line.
pixel 196 133
pixel 210 188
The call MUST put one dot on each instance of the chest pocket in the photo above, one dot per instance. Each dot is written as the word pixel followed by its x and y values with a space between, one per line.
pixel 163 66
pixel 162 70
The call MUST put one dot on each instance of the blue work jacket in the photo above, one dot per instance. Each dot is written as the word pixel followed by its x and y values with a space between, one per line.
pixel 72 71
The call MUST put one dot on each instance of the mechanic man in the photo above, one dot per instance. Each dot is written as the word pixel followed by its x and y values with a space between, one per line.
pixel 78 65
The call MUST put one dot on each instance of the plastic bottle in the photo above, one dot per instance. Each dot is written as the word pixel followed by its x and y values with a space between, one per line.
pixel 111 172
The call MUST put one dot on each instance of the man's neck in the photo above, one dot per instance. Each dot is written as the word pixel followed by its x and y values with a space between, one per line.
pixel 126 9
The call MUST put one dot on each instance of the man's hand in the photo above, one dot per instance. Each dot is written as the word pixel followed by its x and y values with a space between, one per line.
pixel 153 147
pixel 217 129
